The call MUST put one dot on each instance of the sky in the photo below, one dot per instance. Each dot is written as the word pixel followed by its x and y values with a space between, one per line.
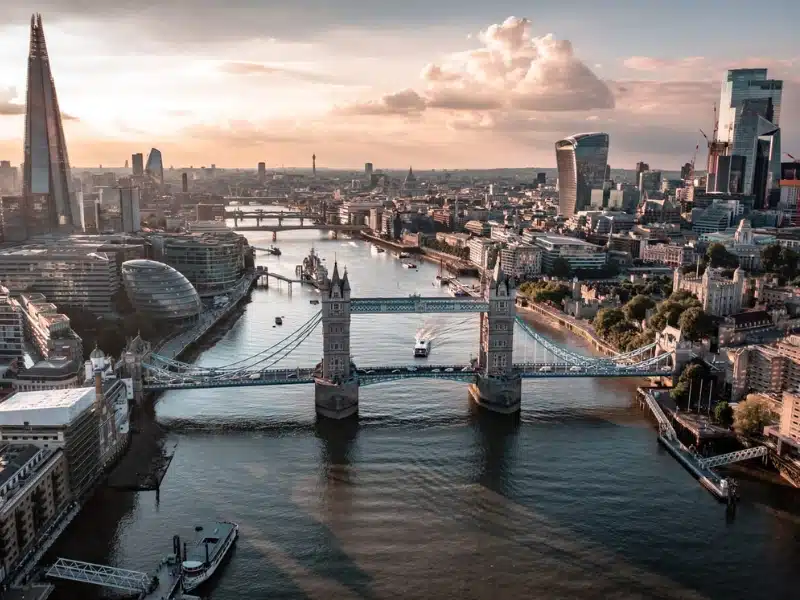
pixel 442 84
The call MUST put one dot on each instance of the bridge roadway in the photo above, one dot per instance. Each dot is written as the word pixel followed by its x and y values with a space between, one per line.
pixel 158 380
pixel 319 227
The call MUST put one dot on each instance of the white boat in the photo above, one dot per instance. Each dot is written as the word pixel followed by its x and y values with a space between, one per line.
pixel 201 562
pixel 422 348
pixel 403 255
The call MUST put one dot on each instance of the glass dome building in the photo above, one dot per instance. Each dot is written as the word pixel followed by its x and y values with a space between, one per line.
pixel 159 291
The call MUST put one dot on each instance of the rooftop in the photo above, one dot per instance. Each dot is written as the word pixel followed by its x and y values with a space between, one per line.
pixel 48 408
pixel 13 458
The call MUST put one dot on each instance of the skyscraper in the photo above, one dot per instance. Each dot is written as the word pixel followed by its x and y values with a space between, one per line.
pixel 581 161
pixel 748 126
pixel 155 166
pixel 138 164
pixel 46 169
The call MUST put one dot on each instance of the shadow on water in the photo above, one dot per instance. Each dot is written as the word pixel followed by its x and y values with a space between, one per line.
pixel 496 436
pixel 328 559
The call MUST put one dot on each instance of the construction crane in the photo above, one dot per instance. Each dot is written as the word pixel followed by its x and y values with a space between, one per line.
pixel 694 158
pixel 790 156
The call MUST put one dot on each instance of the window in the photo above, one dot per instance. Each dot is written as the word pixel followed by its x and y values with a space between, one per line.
pixel 336 306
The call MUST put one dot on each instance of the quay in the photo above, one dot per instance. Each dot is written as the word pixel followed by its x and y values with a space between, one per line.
pixel 453 264
pixel 389 245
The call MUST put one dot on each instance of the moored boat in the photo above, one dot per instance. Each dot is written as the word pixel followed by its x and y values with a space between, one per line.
pixel 200 563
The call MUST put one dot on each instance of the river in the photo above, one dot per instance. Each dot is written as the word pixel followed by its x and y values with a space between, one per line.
pixel 426 497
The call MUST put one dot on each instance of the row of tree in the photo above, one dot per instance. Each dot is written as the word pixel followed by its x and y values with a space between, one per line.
pixel 440 246
pixel 545 291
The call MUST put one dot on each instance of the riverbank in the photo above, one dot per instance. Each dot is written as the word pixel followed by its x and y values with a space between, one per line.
pixel 571 324
pixel 454 265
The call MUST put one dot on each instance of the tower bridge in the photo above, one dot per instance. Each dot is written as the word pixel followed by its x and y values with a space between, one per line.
pixel 495 380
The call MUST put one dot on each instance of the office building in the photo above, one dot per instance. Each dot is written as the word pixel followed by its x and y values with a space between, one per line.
pixel 34 490
pixel 159 291
pixel 712 219
pixel 185 183
pixel 12 335
pixel 129 199
pixel 67 275
pixel 262 171
pixel 581 161
pixel 155 166
pixel 46 171
pixel 8 178
pixel 368 172
pixel 649 181
pixel 669 254
pixel 137 164
pixel 212 262
pixel 579 254
pixel 541 179
pixel 687 171
pixel 520 261
pixel 748 126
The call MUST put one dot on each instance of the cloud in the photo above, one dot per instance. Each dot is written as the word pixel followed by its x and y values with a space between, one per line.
pixel 511 70
pixel 7 105
pixel 406 103
pixel 651 63
pixel 258 69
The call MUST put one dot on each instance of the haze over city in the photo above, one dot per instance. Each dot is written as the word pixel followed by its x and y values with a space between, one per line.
pixel 436 85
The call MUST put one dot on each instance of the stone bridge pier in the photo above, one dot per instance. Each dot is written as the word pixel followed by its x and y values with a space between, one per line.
pixel 336 387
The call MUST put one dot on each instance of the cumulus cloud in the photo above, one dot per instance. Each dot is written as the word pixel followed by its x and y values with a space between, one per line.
pixel 512 70
pixel 258 69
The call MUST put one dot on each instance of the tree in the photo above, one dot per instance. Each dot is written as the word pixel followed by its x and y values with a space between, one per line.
pixel 606 318
pixel 751 416
pixel 771 257
pixel 636 309
pixel 560 268
pixel 681 296
pixel 788 260
pixel 695 323
pixel 723 414
pixel 718 256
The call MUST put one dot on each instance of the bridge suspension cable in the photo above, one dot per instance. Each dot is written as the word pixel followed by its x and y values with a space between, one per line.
pixel 239 365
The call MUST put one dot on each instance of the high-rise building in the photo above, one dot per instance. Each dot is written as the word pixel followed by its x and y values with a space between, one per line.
pixel 541 178
pixel 129 209
pixel 650 181
pixel 686 171
pixel 12 337
pixel 137 160
pixel 368 171
pixel 640 168
pixel 185 183
pixel 8 178
pixel 748 126
pixel 46 168
pixel 581 161
pixel 155 166
pixel 262 171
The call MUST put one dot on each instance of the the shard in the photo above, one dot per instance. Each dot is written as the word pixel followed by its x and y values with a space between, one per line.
pixel 46 173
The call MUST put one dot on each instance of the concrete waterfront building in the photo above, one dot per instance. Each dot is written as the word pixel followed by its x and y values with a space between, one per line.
pixel 34 488
pixel 719 296
pixel 65 419
pixel 67 275
pixel 581 161
pixel 48 330
pixel 46 171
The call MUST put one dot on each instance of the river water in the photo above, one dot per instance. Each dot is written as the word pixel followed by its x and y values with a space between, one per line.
pixel 426 497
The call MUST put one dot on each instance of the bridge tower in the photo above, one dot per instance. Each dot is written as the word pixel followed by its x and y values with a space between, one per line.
pixel 497 388
pixel 336 391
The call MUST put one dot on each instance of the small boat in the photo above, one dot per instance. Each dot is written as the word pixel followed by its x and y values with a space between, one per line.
pixel 380 250
pixel 403 255
pixel 422 348
pixel 313 301
pixel 278 320
pixel 409 265
pixel 274 251
pixel 200 563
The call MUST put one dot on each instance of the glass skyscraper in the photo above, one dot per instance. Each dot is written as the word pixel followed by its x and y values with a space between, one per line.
pixel 749 121
pixel 46 171
pixel 581 161
pixel 155 166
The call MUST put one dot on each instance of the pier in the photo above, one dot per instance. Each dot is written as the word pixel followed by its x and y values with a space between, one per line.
pixel 264 274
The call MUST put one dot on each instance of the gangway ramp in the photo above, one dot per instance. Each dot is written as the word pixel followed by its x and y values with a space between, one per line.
pixel 732 457
pixel 110 577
